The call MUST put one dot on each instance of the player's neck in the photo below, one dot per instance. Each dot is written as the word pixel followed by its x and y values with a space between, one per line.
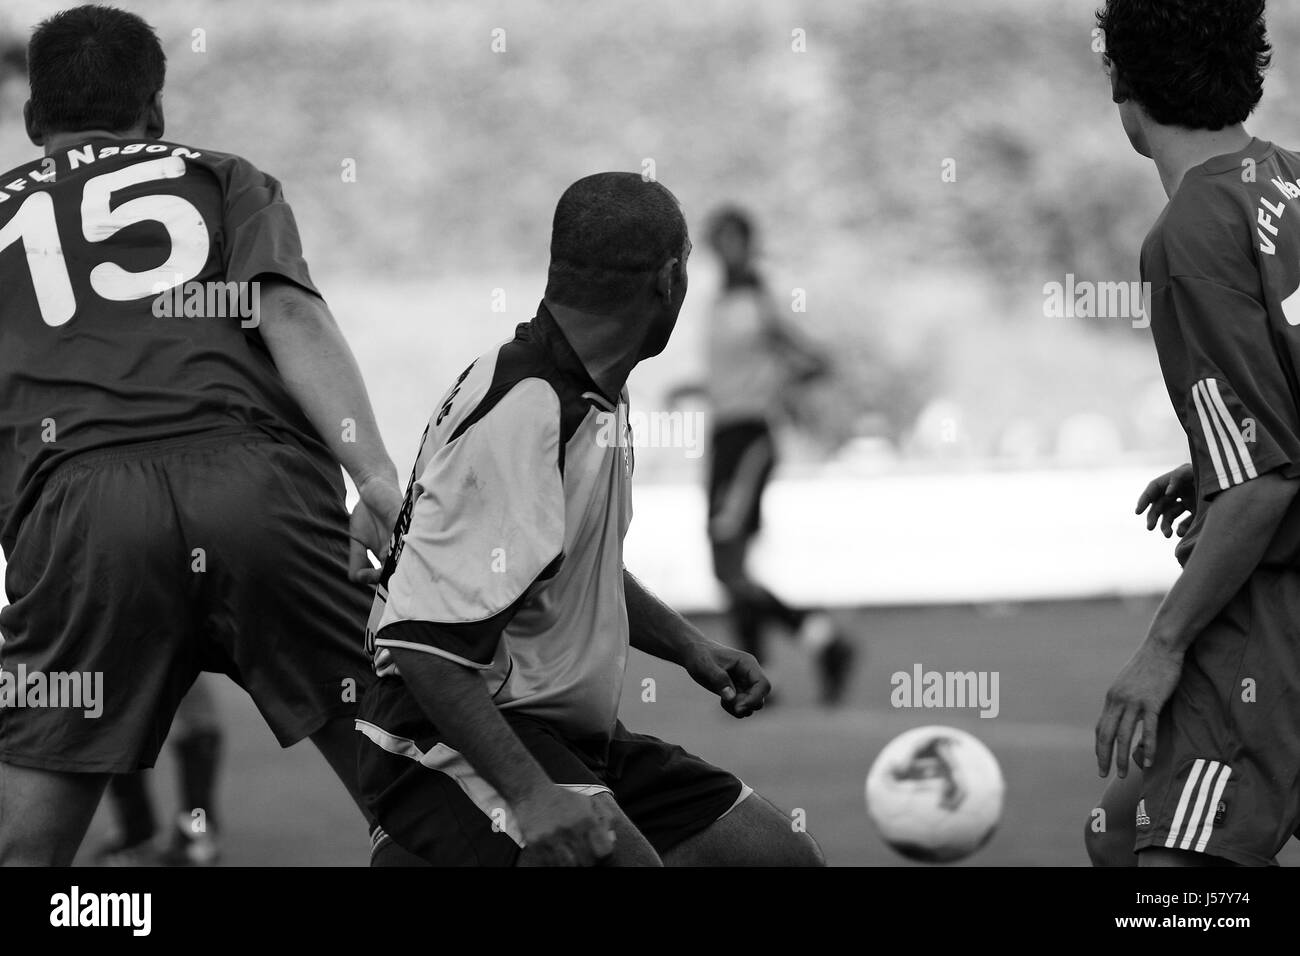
pixel 608 342
pixel 1175 150
pixel 63 140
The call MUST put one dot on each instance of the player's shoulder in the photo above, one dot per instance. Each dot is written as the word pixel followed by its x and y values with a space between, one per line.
pixel 508 390
pixel 233 170
pixel 1206 230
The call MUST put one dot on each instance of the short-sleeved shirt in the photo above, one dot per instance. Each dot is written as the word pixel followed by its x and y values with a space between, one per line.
pixel 507 557
pixel 1223 263
pixel 746 375
pixel 117 324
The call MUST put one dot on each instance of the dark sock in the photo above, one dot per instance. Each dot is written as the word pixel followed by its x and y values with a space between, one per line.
pixel 197 757
pixel 790 618
pixel 130 795
pixel 748 622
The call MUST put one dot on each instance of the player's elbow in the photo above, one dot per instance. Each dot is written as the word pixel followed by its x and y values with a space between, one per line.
pixel 424 669
pixel 284 305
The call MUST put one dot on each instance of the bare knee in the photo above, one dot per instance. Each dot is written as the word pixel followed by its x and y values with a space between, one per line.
pixel 800 850
pixel 1108 847
pixel 754 833
pixel 631 848
pixel 1111 827
pixel 44 814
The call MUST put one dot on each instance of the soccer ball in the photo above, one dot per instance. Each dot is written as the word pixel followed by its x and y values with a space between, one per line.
pixel 935 794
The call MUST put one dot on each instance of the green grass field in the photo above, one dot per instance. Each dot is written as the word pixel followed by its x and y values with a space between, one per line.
pixel 1055 660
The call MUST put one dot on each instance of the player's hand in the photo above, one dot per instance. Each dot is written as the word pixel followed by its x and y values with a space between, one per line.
pixel 563 828
pixel 1138 695
pixel 383 663
pixel 733 675
pixel 371 526
pixel 1168 497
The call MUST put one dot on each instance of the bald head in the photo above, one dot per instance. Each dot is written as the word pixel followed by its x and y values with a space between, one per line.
pixel 611 235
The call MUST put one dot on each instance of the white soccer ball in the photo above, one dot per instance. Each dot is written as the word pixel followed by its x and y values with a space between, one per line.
pixel 935 794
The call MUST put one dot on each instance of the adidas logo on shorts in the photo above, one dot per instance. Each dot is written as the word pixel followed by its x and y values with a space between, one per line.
pixel 1142 819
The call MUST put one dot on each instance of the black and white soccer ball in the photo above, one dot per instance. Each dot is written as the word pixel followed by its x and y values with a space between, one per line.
pixel 935 794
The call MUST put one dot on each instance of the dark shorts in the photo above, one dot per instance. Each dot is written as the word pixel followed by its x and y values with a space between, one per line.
pixel 741 458
pixel 1226 779
pixel 433 805
pixel 147 564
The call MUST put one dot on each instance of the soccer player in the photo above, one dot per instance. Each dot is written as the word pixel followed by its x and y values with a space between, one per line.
pixel 1215 686
pixel 755 360
pixel 171 499
pixel 506 611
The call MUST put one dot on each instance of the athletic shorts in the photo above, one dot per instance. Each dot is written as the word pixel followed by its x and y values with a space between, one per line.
pixel 142 565
pixel 741 458
pixel 1226 779
pixel 432 804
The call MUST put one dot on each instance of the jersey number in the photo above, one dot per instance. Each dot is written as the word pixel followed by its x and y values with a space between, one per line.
pixel 34 225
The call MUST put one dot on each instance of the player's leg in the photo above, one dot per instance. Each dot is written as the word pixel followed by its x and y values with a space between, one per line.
pixel 695 814
pixel 196 740
pixel 432 806
pixel 1111 827
pixel 729 508
pixel 97 582
pixel 280 616
pixel 1159 856
pixel 631 848
pixel 44 814
pixel 340 744
pixel 753 833
pixel 746 616
pixel 1222 785
pixel 742 466
pixel 137 823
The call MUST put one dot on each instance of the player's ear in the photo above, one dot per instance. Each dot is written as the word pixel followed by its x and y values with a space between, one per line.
pixel 667 280
pixel 1119 91
pixel 154 123
pixel 34 134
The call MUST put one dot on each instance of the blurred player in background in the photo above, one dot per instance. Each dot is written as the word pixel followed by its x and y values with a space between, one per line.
pixel 508 612
pixel 170 493
pixel 1215 686
pixel 195 740
pixel 757 363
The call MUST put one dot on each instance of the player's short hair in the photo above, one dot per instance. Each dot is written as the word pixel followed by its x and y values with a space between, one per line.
pixel 729 217
pixel 1198 64
pixel 611 233
pixel 93 67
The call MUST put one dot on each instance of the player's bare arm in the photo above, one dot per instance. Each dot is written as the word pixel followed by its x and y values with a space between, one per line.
pixel 1166 498
pixel 661 632
pixel 806 360
pixel 1237 532
pixel 318 367
pixel 560 827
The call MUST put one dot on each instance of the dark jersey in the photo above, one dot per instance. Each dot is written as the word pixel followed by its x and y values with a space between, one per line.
pixel 126 306
pixel 1223 263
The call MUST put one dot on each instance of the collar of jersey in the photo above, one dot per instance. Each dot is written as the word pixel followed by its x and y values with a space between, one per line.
pixel 1257 149
pixel 550 337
